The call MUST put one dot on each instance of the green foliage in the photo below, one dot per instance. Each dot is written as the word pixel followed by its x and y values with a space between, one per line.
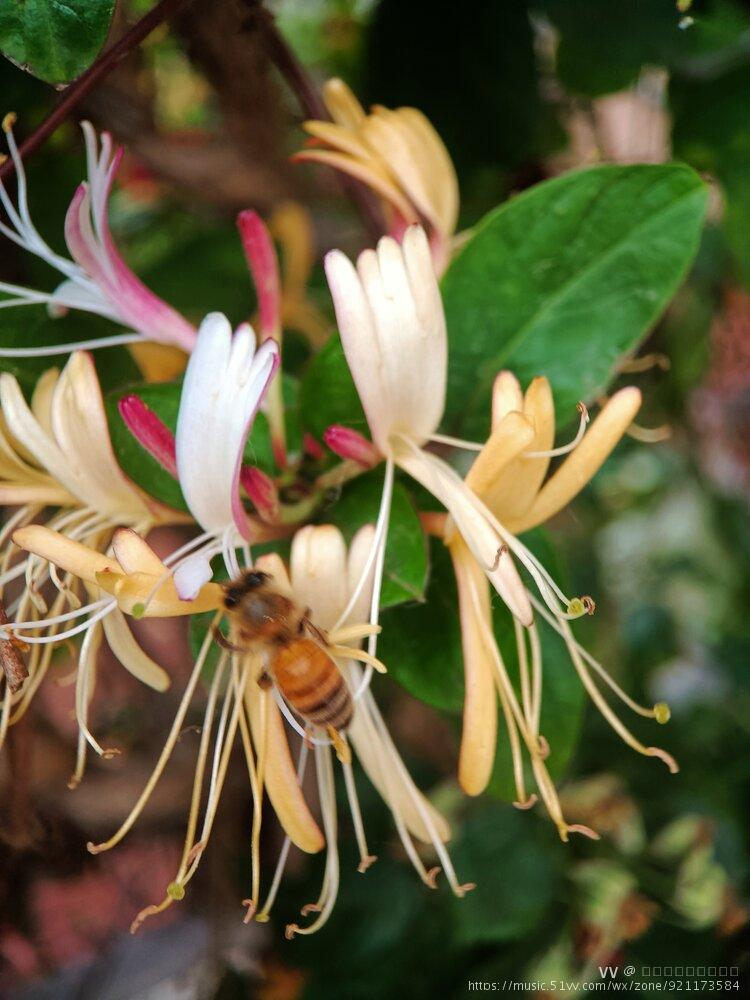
pixel 564 279
pixel 328 394
pixel 510 899
pixel 55 41
pixel 405 567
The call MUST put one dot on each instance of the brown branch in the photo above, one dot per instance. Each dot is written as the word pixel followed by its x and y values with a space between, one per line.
pixel 104 65
pixel 282 56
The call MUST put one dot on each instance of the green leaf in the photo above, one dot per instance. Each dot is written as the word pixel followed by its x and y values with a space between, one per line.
pixel 421 646
pixel 405 567
pixel 517 869
pixel 55 41
pixel 328 394
pixel 565 279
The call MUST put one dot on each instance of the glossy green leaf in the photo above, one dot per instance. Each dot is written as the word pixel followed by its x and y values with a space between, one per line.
pixel 328 394
pixel 516 868
pixel 565 279
pixel 406 566
pixel 53 40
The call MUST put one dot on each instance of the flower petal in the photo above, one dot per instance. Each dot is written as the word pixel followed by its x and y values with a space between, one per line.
pixel 488 476
pixel 63 552
pixel 479 729
pixel 524 475
pixel 134 554
pixel 225 382
pixel 393 332
pixel 506 396
pixel 124 645
pixel 191 574
pixel 281 780
pixel 318 572
pixel 584 462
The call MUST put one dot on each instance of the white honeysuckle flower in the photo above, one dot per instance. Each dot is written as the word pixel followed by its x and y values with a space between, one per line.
pixel 96 280
pixel 225 383
pixel 393 332
pixel 56 452
pixel 324 577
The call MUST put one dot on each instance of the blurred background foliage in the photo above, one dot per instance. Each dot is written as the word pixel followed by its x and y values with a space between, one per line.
pixel 520 91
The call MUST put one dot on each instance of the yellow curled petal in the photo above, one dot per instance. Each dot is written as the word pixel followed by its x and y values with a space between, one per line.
pixel 63 552
pixel 479 729
pixel 281 775
pixel 123 644
pixel 342 105
pixel 486 477
pixel 524 475
pixel 506 397
pixel 134 554
pixel 584 462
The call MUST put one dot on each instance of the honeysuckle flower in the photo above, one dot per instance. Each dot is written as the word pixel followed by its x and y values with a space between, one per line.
pixel 56 455
pixel 393 332
pixel 96 280
pixel 513 483
pixel 225 383
pixel 334 584
pixel 396 153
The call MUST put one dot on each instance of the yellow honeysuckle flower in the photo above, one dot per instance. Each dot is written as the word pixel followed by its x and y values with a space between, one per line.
pixel 508 475
pixel 396 153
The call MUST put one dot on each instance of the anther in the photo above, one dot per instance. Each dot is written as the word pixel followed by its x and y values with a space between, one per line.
pixel 366 863
pixel 530 801
pixel 290 930
pixel 589 604
pixel 309 908
pixel 466 887
pixel 9 121
pixel 252 907
pixel 430 877
pixel 585 831
pixel 543 747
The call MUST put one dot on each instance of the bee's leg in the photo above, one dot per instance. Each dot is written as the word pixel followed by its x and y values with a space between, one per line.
pixel 317 633
pixel 340 745
pixel 222 641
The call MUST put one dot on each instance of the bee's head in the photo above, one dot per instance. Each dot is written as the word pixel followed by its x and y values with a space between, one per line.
pixel 236 590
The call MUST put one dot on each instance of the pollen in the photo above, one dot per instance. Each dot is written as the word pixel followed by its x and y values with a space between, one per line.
pixel 662 713
pixel 139 610
pixel 9 121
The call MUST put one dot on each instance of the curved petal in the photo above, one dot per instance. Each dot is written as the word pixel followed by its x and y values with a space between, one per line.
pixel 584 462
pixel 79 424
pixel 393 332
pixel 318 572
pixel 124 645
pixel 225 382
pixel 66 554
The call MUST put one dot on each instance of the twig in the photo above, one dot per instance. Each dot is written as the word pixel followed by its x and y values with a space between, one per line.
pixel 282 56
pixel 103 66
pixel 12 662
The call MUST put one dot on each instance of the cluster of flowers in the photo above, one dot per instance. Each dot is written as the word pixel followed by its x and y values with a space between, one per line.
pixel 79 525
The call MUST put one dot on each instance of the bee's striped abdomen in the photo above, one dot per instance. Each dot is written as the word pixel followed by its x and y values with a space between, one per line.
pixel 312 684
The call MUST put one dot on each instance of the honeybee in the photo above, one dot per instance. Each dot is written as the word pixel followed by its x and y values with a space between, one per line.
pixel 262 618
